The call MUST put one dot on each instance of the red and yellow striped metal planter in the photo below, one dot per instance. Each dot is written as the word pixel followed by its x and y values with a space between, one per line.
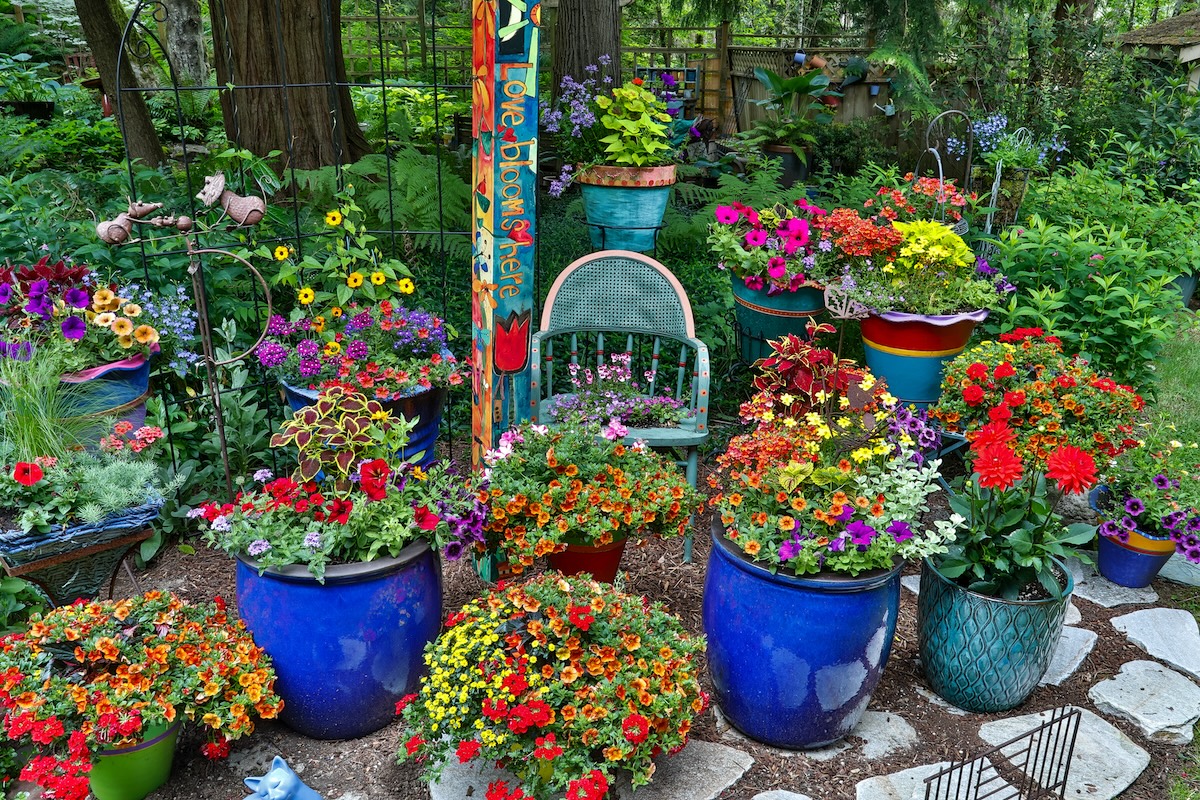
pixel 910 351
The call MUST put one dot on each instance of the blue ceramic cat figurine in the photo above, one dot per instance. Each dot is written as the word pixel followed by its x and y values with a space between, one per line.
pixel 280 784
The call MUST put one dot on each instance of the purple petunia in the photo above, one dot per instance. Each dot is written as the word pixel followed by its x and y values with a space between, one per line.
pixel 860 533
pixel 77 298
pixel 791 548
pixel 1128 524
pixel 40 305
pixel 39 289
pixel 74 328
pixel 1134 506
pixel 1111 529
pixel 900 530
pixel 5 293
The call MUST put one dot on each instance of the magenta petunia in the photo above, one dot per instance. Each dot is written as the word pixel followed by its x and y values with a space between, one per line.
pixel 777 267
pixel 74 328
pixel 756 237
pixel 727 215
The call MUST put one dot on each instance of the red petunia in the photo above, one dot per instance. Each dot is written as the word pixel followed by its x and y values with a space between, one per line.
pixel 1073 469
pixel 467 750
pixel 27 473
pixel 998 467
pixel 216 750
pixel 339 511
pixel 636 728
pixel 426 520
pixel 972 395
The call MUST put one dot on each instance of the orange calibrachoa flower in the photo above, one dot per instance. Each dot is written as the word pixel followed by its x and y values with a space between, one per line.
pixel 148 660
pixel 502 686
pixel 614 492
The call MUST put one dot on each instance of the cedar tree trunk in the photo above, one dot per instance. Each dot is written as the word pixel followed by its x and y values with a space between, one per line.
pixel 185 42
pixel 313 125
pixel 584 30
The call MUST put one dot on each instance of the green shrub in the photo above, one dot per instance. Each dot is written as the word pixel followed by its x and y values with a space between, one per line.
pixel 1104 294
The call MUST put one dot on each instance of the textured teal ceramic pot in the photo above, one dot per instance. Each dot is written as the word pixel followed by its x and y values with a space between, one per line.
pixel 983 653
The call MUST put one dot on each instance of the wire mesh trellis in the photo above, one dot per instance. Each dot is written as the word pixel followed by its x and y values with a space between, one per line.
pixel 254 54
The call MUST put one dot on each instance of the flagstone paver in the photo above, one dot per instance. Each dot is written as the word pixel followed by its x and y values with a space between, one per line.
pixel 1097 589
pixel 1180 570
pixel 884 733
pixel 1073 617
pixel 912 583
pixel 1161 702
pixel 701 771
pixel 1105 760
pixel 1168 634
pixel 910 784
pixel 780 794
pixel 1073 647
pixel 940 703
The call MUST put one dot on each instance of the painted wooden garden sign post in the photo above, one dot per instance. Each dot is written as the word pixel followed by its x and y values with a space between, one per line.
pixel 504 170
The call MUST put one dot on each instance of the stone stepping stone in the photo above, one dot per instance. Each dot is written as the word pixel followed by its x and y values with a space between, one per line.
pixel 1093 587
pixel 1073 617
pixel 940 703
pixel 780 794
pixel 912 583
pixel 1168 634
pixel 1073 647
pixel 1179 570
pixel 1105 760
pixel 701 771
pixel 883 734
pixel 910 784
pixel 1161 702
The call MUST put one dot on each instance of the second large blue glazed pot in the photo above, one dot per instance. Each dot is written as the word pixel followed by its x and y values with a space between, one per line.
pixel 794 660
pixel 985 653
pixel 345 651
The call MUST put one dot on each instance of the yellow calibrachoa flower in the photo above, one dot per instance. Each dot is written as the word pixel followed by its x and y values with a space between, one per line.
pixel 105 320
pixel 333 218
pixel 306 296
pixel 354 280
pixel 122 326
pixel 132 310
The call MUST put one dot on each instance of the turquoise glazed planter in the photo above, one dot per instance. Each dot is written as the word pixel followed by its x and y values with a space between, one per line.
pixel 794 660
pixel 982 653
pixel 425 407
pixel 762 317
pixel 624 206
pixel 118 391
pixel 344 651
pixel 910 351
pixel 1186 284
pixel 132 773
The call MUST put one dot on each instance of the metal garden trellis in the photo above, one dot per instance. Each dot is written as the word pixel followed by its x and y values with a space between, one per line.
pixel 141 40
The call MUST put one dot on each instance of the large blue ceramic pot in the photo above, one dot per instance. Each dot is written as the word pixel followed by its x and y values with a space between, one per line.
pixel 347 650
pixel 984 653
pixel 425 407
pixel 762 318
pixel 794 660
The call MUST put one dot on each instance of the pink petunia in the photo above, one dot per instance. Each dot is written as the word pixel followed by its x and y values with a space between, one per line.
pixel 756 237
pixel 791 245
pixel 777 267
pixel 754 282
pixel 727 215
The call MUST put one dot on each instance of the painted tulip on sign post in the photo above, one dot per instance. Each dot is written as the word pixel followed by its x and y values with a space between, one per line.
pixel 504 59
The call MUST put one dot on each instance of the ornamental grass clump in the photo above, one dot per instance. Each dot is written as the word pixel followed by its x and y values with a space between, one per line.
pixel 90 677
pixel 350 498
pixel 1154 488
pixel 580 485
pixel 1031 415
pixel 561 681
pixel 833 476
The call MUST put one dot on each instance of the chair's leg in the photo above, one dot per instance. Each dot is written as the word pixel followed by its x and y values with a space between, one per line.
pixel 693 464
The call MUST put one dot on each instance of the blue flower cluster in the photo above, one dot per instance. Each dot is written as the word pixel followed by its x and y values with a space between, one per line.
pixel 176 321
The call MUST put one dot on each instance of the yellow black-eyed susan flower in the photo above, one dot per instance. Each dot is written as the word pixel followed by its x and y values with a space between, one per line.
pixel 318 324
pixel 306 296
pixel 281 253
pixel 333 218
pixel 405 285
pixel 354 280
pixel 335 312
pixel 378 278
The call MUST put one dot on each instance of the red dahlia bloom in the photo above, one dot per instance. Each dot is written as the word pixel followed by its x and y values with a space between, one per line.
pixel 990 434
pixel 998 467
pixel 1073 469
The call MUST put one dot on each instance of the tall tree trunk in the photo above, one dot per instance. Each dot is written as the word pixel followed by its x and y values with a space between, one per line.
pixel 103 34
pixel 185 42
pixel 585 30
pixel 304 108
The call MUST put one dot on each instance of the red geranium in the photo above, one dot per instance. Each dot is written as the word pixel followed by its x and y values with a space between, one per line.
pixel 546 748
pixel 973 395
pixel 467 750
pixel 27 473
pixel 1073 469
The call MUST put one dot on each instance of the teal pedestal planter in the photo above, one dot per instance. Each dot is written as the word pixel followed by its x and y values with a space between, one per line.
pixel 982 653
pixel 624 206
pixel 762 317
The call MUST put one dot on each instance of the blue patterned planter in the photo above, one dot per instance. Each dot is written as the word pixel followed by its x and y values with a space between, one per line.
pixel 762 317
pixel 1129 566
pixel 794 660
pixel 347 650
pixel 983 653
pixel 425 407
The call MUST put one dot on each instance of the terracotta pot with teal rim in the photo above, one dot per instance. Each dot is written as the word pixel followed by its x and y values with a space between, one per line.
pixel 911 350
pixel 132 773
pixel 983 653
pixel 762 317
pixel 1135 562
pixel 624 206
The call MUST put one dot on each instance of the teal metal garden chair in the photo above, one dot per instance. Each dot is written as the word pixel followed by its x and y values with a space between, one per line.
pixel 617 301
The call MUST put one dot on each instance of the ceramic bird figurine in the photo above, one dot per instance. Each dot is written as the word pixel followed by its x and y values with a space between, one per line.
pixel 280 783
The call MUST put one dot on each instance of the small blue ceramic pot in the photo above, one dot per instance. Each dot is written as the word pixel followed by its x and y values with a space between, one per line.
pixel 794 660
pixel 347 650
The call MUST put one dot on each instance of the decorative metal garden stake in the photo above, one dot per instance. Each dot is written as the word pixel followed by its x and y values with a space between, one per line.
pixel 117 232
pixel 504 170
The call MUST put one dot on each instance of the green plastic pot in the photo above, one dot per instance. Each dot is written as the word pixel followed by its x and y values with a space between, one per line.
pixel 132 773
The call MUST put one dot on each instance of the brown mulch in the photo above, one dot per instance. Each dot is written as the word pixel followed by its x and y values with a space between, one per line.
pixel 364 769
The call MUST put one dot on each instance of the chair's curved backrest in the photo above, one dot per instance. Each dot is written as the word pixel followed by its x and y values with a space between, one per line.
pixel 618 290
